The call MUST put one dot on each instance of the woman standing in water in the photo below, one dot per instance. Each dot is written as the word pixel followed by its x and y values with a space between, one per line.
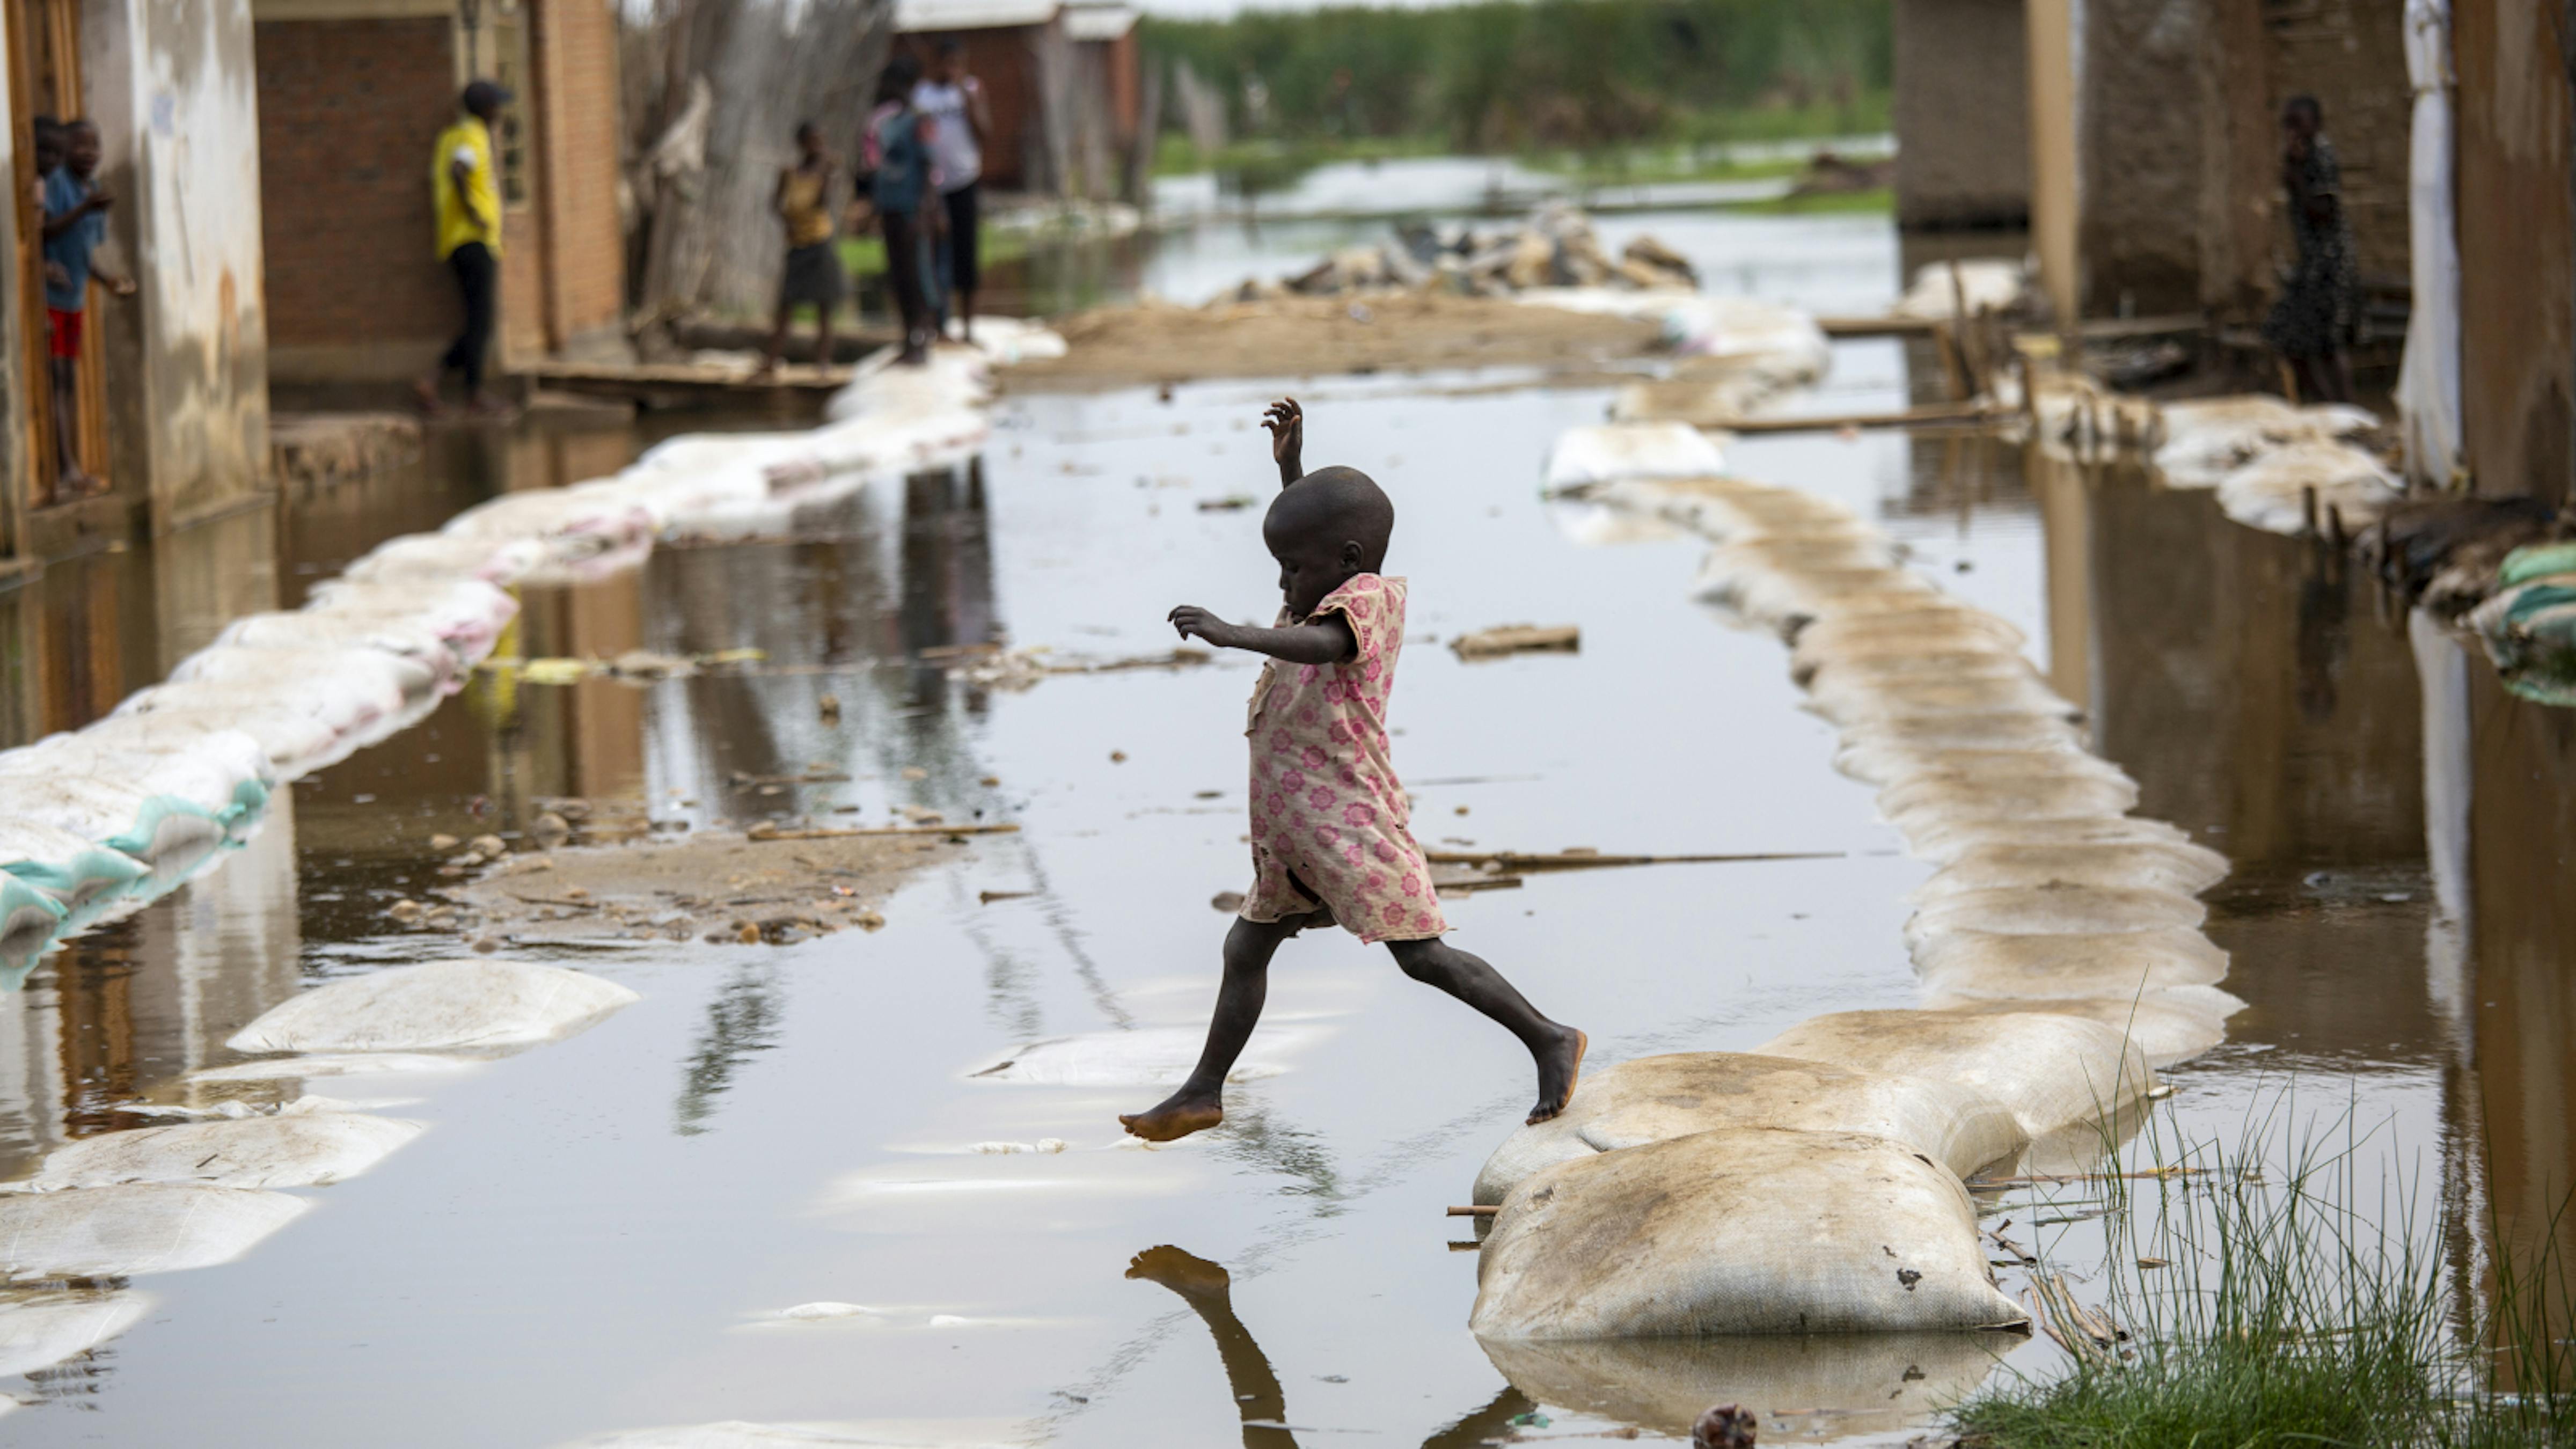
pixel 2313 324
pixel 896 177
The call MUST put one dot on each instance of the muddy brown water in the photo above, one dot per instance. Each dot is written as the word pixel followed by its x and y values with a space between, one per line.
pixel 592 1236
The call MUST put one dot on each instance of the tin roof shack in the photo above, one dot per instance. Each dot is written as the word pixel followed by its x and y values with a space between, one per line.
pixel 351 94
pixel 1063 83
pixel 170 410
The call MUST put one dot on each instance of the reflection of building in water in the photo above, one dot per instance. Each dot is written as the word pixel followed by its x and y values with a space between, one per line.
pixel 947 560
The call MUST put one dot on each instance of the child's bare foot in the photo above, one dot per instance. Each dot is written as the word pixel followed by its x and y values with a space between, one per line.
pixel 1175 1117
pixel 1559 1068
pixel 1183 1272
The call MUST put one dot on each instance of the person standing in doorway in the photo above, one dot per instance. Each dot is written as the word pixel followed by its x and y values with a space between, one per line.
pixel 2314 323
pixel 896 171
pixel 813 272
pixel 962 121
pixel 467 193
pixel 76 207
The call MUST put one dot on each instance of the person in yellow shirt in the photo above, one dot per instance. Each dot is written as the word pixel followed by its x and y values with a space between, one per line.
pixel 466 192
pixel 813 271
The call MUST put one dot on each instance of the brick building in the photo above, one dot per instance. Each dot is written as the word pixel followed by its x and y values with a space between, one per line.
pixel 351 93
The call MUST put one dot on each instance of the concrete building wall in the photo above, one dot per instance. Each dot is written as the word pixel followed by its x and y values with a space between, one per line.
pixel 173 88
pixel 1962 111
pixel 2517 239
pixel 347 109
pixel 2139 155
pixel 576 71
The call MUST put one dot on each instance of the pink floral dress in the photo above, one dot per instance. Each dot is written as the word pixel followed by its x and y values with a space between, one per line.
pixel 1328 815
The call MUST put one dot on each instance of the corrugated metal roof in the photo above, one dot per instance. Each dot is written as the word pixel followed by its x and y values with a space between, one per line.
pixel 912 17
pixel 1098 22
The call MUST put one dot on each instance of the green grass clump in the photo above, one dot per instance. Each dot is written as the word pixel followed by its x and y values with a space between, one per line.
pixel 2277 1314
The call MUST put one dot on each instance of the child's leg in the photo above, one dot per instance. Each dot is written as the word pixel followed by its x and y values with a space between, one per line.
pixel 67 468
pixel 1557 1049
pixel 1199 1104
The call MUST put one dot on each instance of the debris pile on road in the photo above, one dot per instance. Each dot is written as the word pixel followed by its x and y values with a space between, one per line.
pixel 1555 247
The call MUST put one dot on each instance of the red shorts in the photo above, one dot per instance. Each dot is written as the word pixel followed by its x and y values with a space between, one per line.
pixel 66 328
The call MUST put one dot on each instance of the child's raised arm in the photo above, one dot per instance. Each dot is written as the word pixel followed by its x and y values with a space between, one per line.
pixel 1327 640
pixel 1287 424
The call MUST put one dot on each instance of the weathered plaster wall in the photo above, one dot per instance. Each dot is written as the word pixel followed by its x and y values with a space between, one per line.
pixel 15 462
pixel 2139 145
pixel 1963 110
pixel 173 88
pixel 2517 247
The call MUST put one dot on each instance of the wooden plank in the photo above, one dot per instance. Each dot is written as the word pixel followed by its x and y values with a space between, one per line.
pixel 1887 326
pixel 1937 415
pixel 630 379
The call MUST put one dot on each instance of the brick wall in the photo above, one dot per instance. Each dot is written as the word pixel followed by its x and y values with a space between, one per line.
pixel 585 250
pixel 347 111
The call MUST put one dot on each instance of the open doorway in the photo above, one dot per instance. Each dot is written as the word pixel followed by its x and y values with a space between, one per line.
pixel 45 80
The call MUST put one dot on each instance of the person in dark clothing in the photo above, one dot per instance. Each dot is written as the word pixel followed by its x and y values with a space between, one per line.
pixel 954 102
pixel 76 206
pixel 895 155
pixel 2314 323
pixel 466 191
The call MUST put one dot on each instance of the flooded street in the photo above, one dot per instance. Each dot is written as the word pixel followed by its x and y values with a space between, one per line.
pixel 601 1235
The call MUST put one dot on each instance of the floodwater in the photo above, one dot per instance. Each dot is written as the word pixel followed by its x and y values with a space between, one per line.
pixel 596 1236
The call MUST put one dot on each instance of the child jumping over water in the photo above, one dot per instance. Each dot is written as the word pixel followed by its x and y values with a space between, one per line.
pixel 1329 841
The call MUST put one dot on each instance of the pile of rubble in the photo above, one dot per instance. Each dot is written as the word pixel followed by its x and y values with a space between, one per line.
pixel 1556 247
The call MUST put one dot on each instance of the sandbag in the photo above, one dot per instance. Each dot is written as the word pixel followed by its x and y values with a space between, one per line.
pixel 1974 730
pixel 1930 807
pixel 1880 1383
pixel 1939 622
pixel 2049 1071
pixel 1892 699
pixel 30 917
pixel 1654 1099
pixel 2169 1025
pixel 2056 909
pixel 1943 841
pixel 468 615
pixel 2270 492
pixel 318 1065
pixel 127 1231
pixel 2109 963
pixel 66 868
pixel 579 532
pixel 1872 671
pixel 467 1005
pixel 431 558
pixel 225 775
pixel 298 731
pixel 168 834
pixel 1779 597
pixel 1607 452
pixel 40 1328
pixel 393 680
pixel 304 1149
pixel 2153 865
pixel 1729 564
pixel 2054 753
pixel 1737 1231
pixel 412 640
pixel 2206 439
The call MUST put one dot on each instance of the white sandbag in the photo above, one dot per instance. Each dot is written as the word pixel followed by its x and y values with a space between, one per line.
pixel 1729 509
pixel 225 775
pixel 67 868
pixel 466 1005
pixel 31 916
pixel 1738 1231
pixel 1877 700
pixel 309 1149
pixel 2056 909
pixel 1976 730
pixel 1607 452
pixel 1148 1057
pixel 743 1434
pixel 1941 625
pixel 1007 341
pixel 1780 596
pixel 298 731
pixel 1874 671
pixel 43 1327
pixel 1729 564
pixel 303 630
pixel 1936 804
pixel 2051 754
pixel 1943 841
pixel 1655 1099
pixel 2048 1071
pixel 166 834
pixel 1943 291
pixel 2154 865
pixel 2270 492
pixel 398 678
pixel 578 531
pixel 2116 964
pixel 318 1065
pixel 2207 439
pixel 1880 1383
pixel 2170 1025
pixel 128 1231
pixel 467 615
pixel 434 558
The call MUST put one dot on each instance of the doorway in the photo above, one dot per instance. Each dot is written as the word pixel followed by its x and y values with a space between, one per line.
pixel 45 80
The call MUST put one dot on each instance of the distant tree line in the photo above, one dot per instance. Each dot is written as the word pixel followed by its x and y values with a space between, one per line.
pixel 1499 75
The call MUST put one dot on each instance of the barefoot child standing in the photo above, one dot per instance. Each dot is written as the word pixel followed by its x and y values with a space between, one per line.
pixel 1329 836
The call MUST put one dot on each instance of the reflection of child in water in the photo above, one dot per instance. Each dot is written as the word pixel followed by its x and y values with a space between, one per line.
pixel 1329 836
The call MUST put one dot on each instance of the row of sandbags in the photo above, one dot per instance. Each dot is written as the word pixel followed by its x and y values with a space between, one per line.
pixel 94 822
pixel 1818 1182
pixel 2529 623
pixel 208 1188
pixel 2276 465
pixel 1730 354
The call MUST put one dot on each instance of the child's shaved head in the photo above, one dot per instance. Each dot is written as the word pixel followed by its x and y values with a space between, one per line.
pixel 1324 528
pixel 1338 504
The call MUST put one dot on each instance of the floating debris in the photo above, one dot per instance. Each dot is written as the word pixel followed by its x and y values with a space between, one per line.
pixel 1506 639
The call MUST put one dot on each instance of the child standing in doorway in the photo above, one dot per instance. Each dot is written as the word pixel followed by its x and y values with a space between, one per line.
pixel 1330 841
pixel 76 207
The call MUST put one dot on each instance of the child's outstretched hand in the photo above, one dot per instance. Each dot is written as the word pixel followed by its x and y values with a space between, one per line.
pixel 1287 424
pixel 1192 621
